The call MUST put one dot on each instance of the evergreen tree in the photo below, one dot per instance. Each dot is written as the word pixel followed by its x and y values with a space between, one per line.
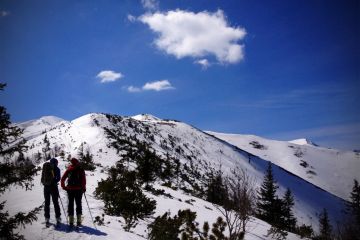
pixel 354 205
pixel 123 196
pixel 289 219
pixel 305 231
pixel 80 151
pixel 216 191
pixel 278 214
pixel 148 164
pixel 87 161
pixel 277 233
pixel 10 136
pixel 13 174
pixel 166 227
pixel 266 205
pixel 46 148
pixel 350 227
pixel 86 158
pixel 325 226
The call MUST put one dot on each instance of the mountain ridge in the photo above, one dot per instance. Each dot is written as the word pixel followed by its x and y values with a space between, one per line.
pixel 109 138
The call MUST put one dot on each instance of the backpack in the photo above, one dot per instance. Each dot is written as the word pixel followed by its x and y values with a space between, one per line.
pixel 48 176
pixel 74 177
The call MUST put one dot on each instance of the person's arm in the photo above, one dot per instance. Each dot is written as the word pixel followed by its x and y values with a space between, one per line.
pixel 42 176
pixel 63 180
pixel 57 175
pixel 83 181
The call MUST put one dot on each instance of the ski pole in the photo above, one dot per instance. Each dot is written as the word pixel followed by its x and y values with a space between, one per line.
pixel 90 211
pixel 67 221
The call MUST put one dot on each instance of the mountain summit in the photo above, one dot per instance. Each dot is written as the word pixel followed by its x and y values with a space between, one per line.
pixel 303 141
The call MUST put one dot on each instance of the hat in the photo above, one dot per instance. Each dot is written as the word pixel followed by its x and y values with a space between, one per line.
pixel 74 161
pixel 54 161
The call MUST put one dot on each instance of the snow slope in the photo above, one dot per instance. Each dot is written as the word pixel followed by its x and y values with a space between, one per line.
pixel 303 141
pixel 113 227
pixel 330 169
pixel 198 153
pixel 33 128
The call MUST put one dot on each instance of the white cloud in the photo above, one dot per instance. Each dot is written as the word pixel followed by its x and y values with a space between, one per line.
pixel 109 76
pixel 203 62
pixel 150 4
pixel 4 13
pixel 152 86
pixel 158 85
pixel 189 34
pixel 133 89
pixel 131 18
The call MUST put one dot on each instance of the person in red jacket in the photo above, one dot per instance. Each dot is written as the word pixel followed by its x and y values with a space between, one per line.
pixel 75 187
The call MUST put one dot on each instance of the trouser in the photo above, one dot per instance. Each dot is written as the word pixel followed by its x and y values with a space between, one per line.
pixel 53 192
pixel 74 195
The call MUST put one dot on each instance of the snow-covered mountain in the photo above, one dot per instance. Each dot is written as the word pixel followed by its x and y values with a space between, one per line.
pixel 330 169
pixel 303 141
pixel 33 128
pixel 305 169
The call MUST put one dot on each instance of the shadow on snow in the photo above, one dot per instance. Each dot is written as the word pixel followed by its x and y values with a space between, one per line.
pixel 82 229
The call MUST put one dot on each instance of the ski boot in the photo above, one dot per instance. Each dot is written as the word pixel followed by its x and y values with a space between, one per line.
pixel 47 222
pixel 58 221
pixel 71 223
pixel 78 220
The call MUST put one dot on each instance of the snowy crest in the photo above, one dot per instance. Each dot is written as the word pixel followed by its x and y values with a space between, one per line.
pixel 195 154
pixel 146 117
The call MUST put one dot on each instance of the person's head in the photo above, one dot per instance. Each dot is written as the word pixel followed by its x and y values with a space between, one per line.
pixel 54 161
pixel 74 161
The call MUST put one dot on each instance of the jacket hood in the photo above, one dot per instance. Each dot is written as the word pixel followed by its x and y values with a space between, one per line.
pixel 54 161
pixel 74 161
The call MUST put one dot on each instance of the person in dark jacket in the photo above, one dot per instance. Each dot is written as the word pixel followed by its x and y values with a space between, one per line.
pixel 50 177
pixel 75 187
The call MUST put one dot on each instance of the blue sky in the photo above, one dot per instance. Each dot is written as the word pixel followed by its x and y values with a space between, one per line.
pixel 277 69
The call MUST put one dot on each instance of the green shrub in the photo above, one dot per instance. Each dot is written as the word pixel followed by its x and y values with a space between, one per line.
pixel 183 224
pixel 123 196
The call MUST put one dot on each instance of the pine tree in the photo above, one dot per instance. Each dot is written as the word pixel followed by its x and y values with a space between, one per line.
pixel 13 174
pixel 10 136
pixel 80 152
pixel 123 196
pixel 216 190
pixel 148 165
pixel 166 227
pixel 305 231
pixel 354 205
pixel 86 158
pixel 289 219
pixel 350 227
pixel 325 226
pixel 46 149
pixel 267 197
